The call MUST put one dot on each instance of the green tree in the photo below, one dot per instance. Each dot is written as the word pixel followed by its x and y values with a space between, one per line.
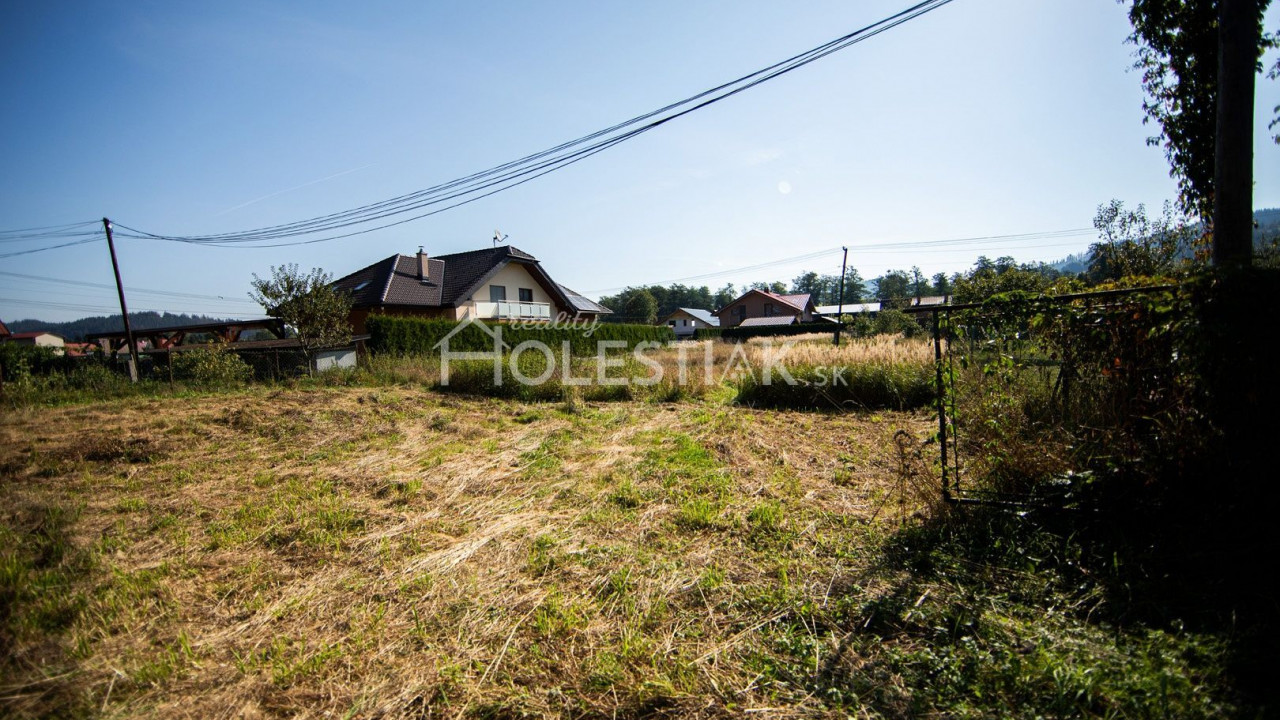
pixel 1004 275
pixel 855 288
pixel 1132 244
pixel 919 286
pixel 893 289
pixel 640 306
pixel 724 296
pixel 941 284
pixel 808 282
pixel 1178 55
pixel 316 312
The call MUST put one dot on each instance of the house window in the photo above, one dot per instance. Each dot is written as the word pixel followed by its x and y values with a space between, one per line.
pixel 672 323
pixel 497 293
pixel 768 310
pixel 741 311
pixel 526 295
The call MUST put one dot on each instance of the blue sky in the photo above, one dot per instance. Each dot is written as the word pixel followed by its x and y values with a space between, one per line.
pixel 983 118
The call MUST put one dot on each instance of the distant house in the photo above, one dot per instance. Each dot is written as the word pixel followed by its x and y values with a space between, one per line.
pixel 764 304
pixel 502 283
pixel 39 338
pixel 685 321
pixel 4 331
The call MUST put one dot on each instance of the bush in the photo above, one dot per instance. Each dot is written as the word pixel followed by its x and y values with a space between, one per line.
pixel 708 333
pixel 864 386
pixel 894 322
pixel 738 334
pixel 18 362
pixel 214 365
pixel 419 336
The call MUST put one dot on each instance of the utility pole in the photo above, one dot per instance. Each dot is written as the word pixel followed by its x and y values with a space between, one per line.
pixel 124 310
pixel 844 263
pixel 1233 145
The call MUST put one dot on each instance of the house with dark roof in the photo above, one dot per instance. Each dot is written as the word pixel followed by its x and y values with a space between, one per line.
pixel 502 284
pixel 764 304
pixel 686 321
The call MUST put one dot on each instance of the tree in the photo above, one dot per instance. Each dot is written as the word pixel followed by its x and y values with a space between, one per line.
pixel 724 296
pixel 941 284
pixel 1132 244
pixel 918 285
pixel 808 282
pixel 893 289
pixel 1178 55
pixel 316 312
pixel 640 306
pixel 855 288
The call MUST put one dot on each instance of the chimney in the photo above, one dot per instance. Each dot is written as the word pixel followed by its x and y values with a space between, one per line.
pixel 422 266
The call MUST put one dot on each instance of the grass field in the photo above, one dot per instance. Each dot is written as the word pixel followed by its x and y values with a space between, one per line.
pixel 395 552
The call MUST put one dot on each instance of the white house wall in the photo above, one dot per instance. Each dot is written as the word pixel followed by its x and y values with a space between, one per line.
pixel 513 276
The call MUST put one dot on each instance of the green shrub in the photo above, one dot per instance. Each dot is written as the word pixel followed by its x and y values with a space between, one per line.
pixel 893 386
pixel 419 336
pixel 213 365
pixel 894 322
pixel 19 361
pixel 742 333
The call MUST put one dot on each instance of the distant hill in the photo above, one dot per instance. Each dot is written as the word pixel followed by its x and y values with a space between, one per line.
pixel 75 330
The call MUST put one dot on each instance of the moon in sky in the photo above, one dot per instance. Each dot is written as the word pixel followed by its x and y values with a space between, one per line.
pixel 784 187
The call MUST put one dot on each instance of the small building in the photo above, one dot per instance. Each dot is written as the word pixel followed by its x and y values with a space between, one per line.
pixel 686 321
pixel 38 338
pixel 764 304
pixel 852 308
pixel 4 331
pixel 502 283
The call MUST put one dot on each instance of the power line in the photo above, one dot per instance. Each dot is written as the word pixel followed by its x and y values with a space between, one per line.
pixel 98 236
pixel 144 291
pixel 517 172
pixel 45 230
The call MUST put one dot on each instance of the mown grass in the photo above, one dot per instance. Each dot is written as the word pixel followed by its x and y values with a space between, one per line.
pixel 474 557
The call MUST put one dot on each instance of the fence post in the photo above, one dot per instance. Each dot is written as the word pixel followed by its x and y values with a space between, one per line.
pixel 940 389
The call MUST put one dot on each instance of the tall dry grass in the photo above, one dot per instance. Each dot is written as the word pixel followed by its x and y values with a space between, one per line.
pixel 879 372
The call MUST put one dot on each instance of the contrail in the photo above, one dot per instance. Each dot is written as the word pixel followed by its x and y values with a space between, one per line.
pixel 296 187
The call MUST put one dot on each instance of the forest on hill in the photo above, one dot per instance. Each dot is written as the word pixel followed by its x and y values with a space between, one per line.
pixel 75 330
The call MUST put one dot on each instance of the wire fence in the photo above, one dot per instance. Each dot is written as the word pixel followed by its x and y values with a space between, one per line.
pixel 1038 397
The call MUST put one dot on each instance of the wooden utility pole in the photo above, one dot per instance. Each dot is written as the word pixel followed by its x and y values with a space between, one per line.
pixel 124 309
pixel 1233 145
pixel 844 263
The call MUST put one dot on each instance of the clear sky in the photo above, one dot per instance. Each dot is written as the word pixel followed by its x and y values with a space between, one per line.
pixel 983 118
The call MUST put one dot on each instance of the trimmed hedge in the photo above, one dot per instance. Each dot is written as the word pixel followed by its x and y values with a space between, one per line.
pixel 709 333
pixel 742 333
pixel 419 336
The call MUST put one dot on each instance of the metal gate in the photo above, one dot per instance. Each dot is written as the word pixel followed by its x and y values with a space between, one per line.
pixel 1039 396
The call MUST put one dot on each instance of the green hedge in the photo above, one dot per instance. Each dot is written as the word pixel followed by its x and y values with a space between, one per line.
pixel 419 336
pixel 742 333
pixel 18 361
pixel 708 333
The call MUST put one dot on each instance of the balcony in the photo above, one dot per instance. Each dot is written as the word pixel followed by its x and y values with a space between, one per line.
pixel 513 310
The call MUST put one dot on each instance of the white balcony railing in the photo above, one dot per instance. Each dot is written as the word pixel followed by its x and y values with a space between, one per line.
pixel 513 310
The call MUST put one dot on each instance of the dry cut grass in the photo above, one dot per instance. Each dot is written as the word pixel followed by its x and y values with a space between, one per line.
pixel 391 552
